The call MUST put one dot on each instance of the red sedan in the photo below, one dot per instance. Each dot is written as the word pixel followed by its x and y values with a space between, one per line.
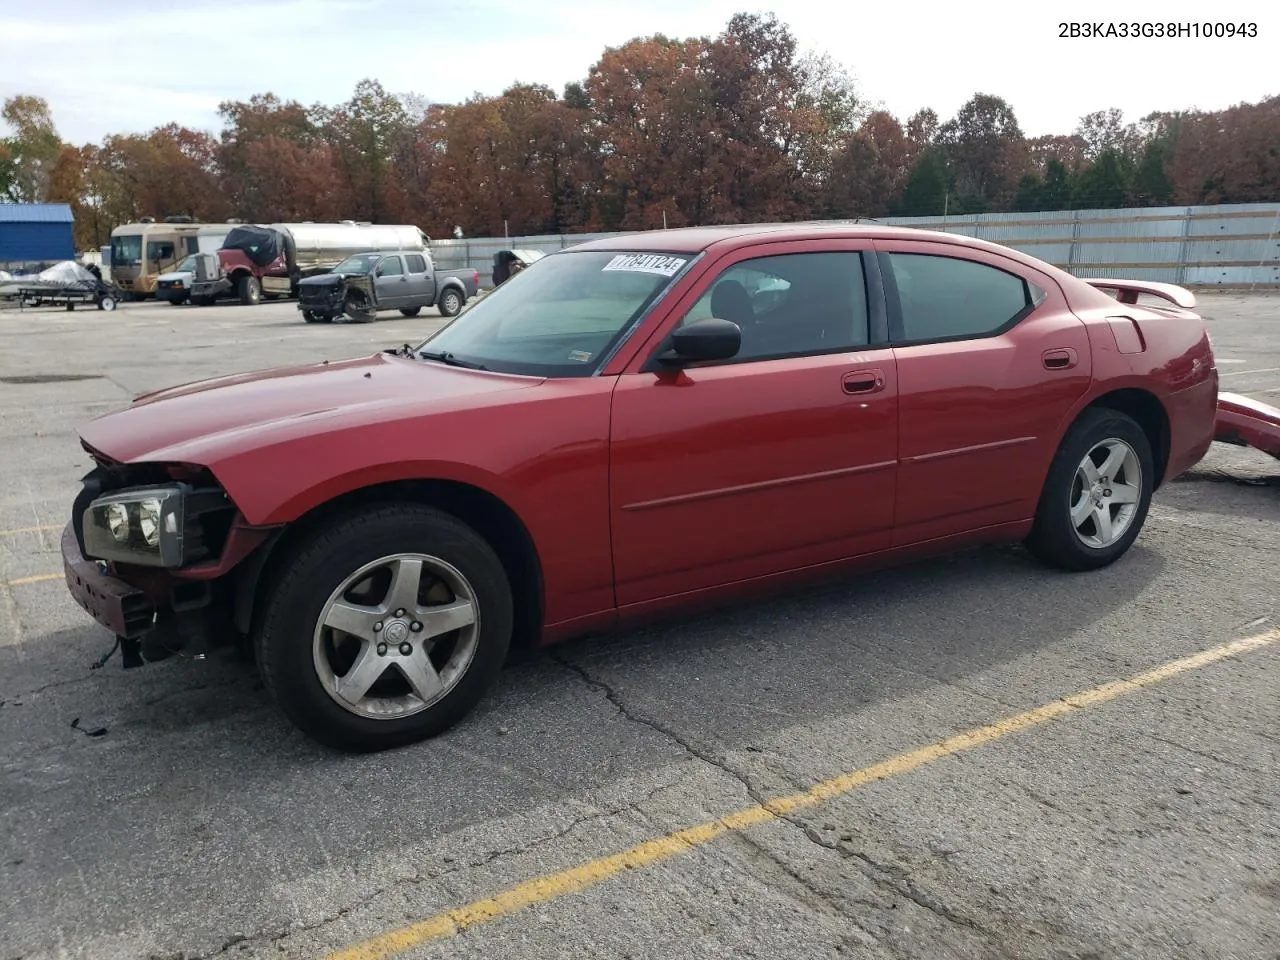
pixel 628 427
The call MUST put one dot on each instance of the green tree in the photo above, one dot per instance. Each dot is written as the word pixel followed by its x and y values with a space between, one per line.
pixel 926 189
pixel 29 154
pixel 1103 184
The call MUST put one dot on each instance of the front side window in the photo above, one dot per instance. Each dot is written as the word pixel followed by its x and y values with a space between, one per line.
pixel 949 298
pixel 560 316
pixel 160 250
pixel 795 304
pixel 390 267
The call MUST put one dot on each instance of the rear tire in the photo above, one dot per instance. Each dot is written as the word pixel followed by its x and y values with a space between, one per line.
pixel 457 589
pixel 410 311
pixel 1097 493
pixel 450 303
pixel 250 290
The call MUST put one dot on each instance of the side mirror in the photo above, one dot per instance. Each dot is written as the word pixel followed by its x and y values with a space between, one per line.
pixel 709 339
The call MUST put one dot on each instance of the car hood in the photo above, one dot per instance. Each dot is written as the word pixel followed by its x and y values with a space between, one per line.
pixel 323 280
pixel 209 420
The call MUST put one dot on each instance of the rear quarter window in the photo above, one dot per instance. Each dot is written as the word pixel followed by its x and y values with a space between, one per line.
pixel 949 298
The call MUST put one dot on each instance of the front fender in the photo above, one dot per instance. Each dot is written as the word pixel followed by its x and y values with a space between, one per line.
pixel 282 511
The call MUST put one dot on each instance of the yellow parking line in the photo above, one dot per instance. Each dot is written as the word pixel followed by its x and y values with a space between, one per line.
pixel 38 578
pixel 564 882
pixel 39 529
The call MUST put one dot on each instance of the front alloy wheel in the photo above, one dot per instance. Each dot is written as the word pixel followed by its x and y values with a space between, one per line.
pixel 384 626
pixel 396 636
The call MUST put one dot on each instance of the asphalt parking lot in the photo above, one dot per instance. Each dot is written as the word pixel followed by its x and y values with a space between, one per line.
pixel 883 767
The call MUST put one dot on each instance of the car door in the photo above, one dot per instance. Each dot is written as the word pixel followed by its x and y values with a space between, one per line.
pixel 990 361
pixel 782 457
pixel 419 287
pixel 390 282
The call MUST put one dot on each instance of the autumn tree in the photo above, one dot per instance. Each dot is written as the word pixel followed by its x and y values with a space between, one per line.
pixel 275 166
pixel 1230 156
pixel 870 170
pixel 170 171
pixel 652 122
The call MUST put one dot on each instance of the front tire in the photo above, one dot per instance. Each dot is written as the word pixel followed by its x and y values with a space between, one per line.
pixel 410 311
pixel 385 628
pixel 1097 494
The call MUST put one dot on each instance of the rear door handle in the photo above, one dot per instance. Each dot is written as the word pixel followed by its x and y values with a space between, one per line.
pixel 863 381
pixel 1063 359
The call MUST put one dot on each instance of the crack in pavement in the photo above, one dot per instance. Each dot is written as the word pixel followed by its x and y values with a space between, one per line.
pixel 893 878
pixel 293 930
pixel 719 763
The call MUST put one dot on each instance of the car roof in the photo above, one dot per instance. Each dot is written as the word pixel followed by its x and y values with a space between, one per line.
pixel 699 239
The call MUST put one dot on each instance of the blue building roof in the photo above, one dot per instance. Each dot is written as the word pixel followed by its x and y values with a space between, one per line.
pixel 36 213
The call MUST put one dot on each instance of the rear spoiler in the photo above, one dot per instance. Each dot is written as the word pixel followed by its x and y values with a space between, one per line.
pixel 1127 291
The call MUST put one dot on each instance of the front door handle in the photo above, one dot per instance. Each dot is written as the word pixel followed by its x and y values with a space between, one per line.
pixel 1063 359
pixel 863 381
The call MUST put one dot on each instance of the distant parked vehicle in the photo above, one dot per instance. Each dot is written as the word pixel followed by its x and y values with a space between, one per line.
pixel 140 252
pixel 507 263
pixel 362 285
pixel 270 260
pixel 175 286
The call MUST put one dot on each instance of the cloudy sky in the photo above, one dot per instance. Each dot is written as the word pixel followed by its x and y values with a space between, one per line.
pixel 130 65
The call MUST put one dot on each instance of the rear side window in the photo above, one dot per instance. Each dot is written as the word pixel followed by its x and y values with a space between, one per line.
pixel 947 298
pixel 415 263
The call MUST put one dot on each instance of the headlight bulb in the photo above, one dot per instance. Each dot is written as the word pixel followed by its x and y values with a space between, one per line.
pixel 118 522
pixel 149 521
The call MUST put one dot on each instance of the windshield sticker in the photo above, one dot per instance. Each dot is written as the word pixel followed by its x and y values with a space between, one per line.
pixel 646 263
pixel 580 355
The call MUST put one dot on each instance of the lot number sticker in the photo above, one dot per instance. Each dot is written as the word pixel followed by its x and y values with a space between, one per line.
pixel 646 263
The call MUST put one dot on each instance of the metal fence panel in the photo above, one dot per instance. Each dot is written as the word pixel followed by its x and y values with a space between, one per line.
pixel 1234 244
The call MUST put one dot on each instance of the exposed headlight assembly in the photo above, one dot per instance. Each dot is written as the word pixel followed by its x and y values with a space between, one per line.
pixel 148 526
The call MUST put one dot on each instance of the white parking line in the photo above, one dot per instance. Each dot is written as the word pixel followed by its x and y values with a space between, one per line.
pixel 1248 373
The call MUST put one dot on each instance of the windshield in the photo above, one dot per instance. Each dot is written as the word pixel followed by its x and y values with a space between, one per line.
pixel 186 266
pixel 126 250
pixel 361 263
pixel 559 316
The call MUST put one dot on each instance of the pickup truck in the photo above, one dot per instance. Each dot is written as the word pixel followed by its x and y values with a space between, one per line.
pixel 366 283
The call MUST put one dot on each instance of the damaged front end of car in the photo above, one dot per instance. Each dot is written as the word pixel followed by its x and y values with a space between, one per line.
pixel 150 552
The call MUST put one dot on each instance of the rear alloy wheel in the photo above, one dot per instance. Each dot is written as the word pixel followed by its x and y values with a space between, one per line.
pixel 1097 494
pixel 450 303
pixel 385 628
